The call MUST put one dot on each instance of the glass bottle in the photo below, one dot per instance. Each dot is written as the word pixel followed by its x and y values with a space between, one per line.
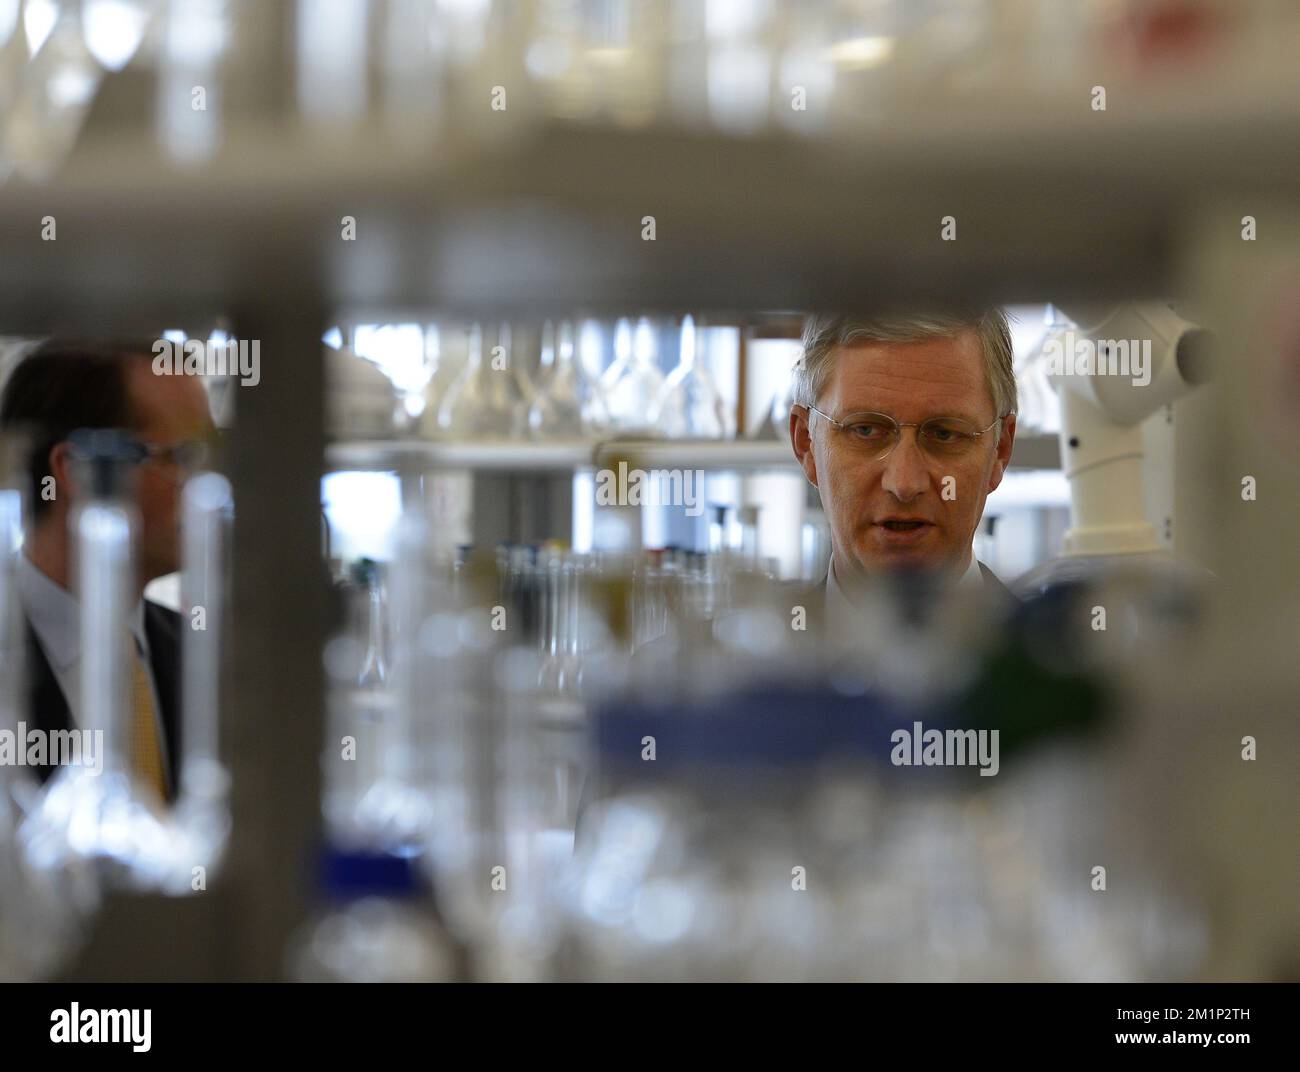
pixel 689 403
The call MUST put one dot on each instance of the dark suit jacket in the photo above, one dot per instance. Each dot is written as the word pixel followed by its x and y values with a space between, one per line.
pixel 48 708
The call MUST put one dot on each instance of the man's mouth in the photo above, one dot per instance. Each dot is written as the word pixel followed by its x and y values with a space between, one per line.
pixel 903 526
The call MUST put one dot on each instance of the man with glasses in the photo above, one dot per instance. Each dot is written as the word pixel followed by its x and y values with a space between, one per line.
pixel 904 424
pixel 52 392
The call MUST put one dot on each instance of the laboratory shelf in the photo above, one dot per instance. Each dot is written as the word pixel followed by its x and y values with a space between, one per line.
pixel 516 456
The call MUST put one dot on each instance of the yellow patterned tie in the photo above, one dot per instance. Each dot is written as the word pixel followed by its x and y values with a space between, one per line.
pixel 142 742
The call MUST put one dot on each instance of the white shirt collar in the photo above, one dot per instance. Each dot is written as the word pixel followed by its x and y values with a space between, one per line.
pixel 55 615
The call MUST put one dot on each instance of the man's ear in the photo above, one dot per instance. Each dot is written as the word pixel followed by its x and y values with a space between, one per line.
pixel 801 441
pixel 1005 443
pixel 60 463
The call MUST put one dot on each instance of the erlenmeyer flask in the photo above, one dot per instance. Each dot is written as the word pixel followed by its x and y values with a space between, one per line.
pixel 568 402
pixel 487 400
pixel 689 404
pixel 633 381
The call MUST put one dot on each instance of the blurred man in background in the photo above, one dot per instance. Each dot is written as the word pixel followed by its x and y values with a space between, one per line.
pixel 904 425
pixel 52 392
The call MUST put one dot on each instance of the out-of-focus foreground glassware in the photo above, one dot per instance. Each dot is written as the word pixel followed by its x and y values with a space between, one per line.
pixel 421 74
pixel 761 827
pixel 201 814
pixel 42 909
pixel 744 816
pixel 375 756
pixel 377 927
pixel 105 817
pixel 55 93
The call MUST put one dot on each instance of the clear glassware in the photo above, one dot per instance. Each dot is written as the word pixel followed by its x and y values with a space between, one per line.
pixel 201 814
pixel 379 926
pixel 115 29
pixel 380 798
pixel 56 92
pixel 569 403
pixel 198 47
pixel 407 354
pixel 13 62
pixel 779 839
pixel 689 404
pixel 104 816
pixel 633 381
pixel 42 910
pixel 488 400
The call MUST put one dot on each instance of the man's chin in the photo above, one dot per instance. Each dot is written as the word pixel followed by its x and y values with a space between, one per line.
pixel 903 560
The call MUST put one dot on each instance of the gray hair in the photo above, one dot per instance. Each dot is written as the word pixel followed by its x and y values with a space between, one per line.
pixel 824 333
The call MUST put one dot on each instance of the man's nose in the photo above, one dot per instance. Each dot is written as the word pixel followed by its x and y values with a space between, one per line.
pixel 907 471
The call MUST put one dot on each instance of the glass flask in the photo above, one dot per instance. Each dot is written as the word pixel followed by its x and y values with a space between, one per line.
pixel 568 402
pixel 375 788
pixel 105 817
pixel 507 750
pixel 689 405
pixel 379 926
pixel 633 381
pixel 489 399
